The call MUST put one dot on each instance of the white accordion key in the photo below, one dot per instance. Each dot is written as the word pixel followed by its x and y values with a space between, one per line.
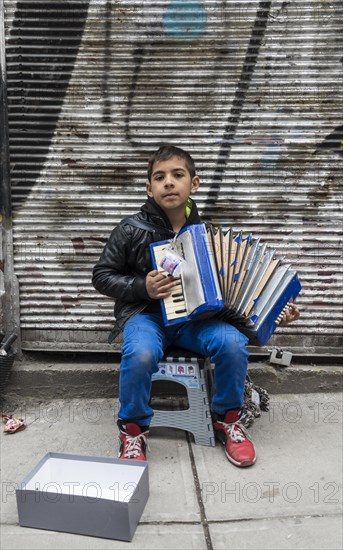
pixel 175 304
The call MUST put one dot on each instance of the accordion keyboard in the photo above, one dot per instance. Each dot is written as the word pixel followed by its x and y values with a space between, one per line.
pixel 175 304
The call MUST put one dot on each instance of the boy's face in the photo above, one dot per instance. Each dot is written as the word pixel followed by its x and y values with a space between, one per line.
pixel 171 184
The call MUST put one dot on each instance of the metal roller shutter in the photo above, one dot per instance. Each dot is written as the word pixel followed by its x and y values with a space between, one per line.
pixel 251 89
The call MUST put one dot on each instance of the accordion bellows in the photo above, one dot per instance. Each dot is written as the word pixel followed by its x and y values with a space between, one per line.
pixel 229 276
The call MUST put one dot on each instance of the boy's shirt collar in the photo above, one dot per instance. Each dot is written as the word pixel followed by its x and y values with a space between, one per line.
pixel 188 208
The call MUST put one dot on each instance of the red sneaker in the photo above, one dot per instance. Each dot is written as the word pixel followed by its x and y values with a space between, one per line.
pixel 133 441
pixel 239 449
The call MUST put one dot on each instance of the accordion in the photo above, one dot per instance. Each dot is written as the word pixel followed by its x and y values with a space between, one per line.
pixel 230 277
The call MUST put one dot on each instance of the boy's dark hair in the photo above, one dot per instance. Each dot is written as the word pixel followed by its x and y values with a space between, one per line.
pixel 167 151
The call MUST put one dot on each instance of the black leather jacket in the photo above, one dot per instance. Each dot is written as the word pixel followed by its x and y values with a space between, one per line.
pixel 125 261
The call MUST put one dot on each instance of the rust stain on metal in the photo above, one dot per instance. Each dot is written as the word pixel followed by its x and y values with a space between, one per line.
pixel 73 163
pixel 78 245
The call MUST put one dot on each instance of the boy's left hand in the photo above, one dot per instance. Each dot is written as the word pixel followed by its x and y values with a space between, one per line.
pixel 292 314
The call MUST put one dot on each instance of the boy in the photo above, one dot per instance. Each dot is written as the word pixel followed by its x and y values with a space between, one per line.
pixel 124 272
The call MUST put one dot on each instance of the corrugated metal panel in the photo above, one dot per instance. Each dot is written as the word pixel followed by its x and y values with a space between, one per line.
pixel 251 89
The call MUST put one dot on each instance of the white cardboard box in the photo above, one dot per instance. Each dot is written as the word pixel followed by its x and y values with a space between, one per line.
pixel 96 496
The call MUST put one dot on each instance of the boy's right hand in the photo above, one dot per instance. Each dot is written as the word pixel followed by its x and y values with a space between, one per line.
pixel 158 285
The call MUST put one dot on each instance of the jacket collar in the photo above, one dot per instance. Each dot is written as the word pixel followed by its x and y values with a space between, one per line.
pixel 158 216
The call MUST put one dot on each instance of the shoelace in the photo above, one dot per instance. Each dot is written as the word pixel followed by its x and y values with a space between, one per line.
pixel 236 431
pixel 133 445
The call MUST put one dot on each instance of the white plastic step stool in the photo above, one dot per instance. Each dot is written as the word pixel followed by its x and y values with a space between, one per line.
pixel 190 373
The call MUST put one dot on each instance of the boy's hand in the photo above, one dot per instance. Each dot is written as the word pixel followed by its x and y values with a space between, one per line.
pixel 158 285
pixel 292 314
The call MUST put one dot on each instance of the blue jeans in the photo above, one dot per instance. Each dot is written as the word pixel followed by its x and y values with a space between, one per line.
pixel 146 337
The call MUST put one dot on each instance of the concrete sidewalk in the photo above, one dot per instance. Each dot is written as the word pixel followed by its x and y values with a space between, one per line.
pixel 53 376
pixel 290 499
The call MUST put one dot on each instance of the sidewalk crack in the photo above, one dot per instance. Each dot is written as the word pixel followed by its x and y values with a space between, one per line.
pixel 204 521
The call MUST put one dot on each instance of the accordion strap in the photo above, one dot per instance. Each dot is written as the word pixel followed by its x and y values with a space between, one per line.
pixel 147 226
